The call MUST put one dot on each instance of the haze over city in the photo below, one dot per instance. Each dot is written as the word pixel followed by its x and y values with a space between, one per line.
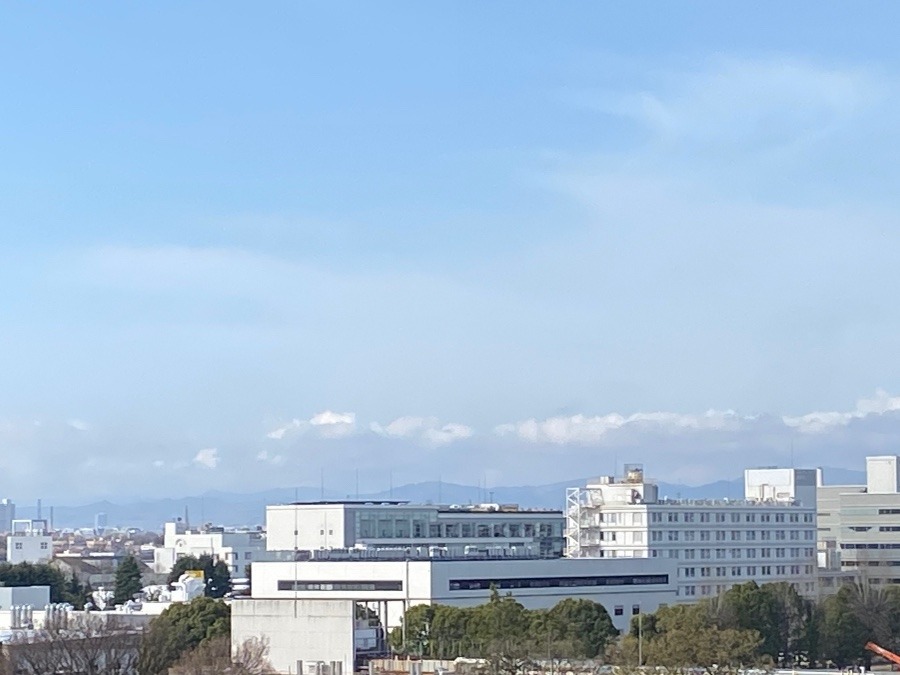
pixel 239 250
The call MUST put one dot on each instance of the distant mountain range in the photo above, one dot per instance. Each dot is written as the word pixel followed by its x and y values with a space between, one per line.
pixel 249 509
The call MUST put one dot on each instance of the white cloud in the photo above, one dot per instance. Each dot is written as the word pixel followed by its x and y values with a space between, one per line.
pixel 79 425
pixel 208 457
pixel 821 422
pixel 585 430
pixel 265 456
pixel 326 424
pixel 425 429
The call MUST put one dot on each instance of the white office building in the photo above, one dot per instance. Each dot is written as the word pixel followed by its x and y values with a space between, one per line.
pixel 305 608
pixel 237 548
pixel 29 541
pixel 398 524
pixel 859 525
pixel 769 536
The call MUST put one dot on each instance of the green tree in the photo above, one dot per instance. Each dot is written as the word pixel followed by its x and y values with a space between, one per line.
pixel 74 592
pixel 128 580
pixel 215 573
pixel 843 629
pixel 583 624
pixel 180 628
pixel 28 574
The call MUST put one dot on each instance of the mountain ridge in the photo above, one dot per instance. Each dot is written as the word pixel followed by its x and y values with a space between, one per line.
pixel 233 508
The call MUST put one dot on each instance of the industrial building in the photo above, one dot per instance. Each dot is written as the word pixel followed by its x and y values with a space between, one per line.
pixel 398 524
pixel 769 536
pixel 859 525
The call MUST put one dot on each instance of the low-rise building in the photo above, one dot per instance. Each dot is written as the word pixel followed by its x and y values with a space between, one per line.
pixel 237 548
pixel 29 541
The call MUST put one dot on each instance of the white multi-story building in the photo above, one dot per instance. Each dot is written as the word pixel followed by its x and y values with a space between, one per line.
pixel 397 524
pixel 859 525
pixel 769 536
pixel 237 548
pixel 29 541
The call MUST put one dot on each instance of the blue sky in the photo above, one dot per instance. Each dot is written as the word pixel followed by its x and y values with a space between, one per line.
pixel 487 241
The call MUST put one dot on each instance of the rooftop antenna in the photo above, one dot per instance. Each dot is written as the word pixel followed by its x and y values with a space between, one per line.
pixel 187 521
pixel 39 509
pixel 357 484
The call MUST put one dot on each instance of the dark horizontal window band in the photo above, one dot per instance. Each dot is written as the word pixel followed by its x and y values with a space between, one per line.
pixel 558 582
pixel 340 585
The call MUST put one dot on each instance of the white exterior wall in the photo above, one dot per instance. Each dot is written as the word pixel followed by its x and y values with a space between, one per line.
pixel 392 525
pixel 429 582
pixel 303 630
pixel 715 544
pixel 33 548
pixel 37 597
pixel 782 485
pixel 292 527
pixel 236 549
pixel 883 474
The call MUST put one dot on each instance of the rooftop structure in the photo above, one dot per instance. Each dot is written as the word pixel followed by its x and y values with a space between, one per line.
pixel 29 541
pixel 768 536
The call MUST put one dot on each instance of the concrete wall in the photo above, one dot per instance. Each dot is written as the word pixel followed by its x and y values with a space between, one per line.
pixel 316 526
pixel 297 630
pixel 36 596
pixel 883 474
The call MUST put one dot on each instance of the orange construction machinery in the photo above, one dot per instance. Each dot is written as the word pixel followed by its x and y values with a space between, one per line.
pixel 881 651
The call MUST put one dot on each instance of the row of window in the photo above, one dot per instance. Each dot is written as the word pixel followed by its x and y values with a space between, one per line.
pixel 558 582
pixel 404 529
pixel 723 535
pixel 750 570
pixel 734 553
pixel 882 528
pixel 871 546
pixel 691 517
pixel 710 589
pixel 340 585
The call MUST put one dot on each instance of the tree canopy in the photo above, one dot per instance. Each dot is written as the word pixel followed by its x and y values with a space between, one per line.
pixel 215 573
pixel 28 574
pixel 180 628
pixel 128 580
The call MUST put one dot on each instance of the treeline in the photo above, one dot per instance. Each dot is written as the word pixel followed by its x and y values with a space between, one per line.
pixel 767 625
pixel 503 629
pixel 62 588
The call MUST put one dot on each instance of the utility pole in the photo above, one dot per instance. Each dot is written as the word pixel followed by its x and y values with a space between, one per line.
pixel 640 637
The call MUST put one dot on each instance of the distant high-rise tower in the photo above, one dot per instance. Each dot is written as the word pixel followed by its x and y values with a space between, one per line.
pixel 7 515
pixel 100 524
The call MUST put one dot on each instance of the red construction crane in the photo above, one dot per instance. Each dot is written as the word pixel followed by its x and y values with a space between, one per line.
pixel 881 651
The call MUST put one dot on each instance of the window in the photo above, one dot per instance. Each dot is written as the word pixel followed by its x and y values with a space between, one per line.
pixel 635 610
pixel 704 517
pixel 673 517
pixel 705 553
pixel 673 553
pixel 248 555
pixel 736 553
pixel 779 517
pixel 720 517
pixel 779 552
pixel 751 535
pixel 690 553
pixel 735 517
pixel 721 572
pixel 704 535
pixel 720 535
pixel 705 571
pixel 795 536
pixel 690 535
pixel 751 571
pixel 557 582
pixel 765 553
pixel 43 545
pixel 689 517
pixel 886 512
pixel 765 535
pixel 779 535
pixel 765 518
pixel 735 571
pixel 619 610
pixel 340 585
pixel 655 517
pixel 795 518
pixel 735 535
pixel 751 552
pixel 690 571
pixel 750 518
pixel 656 536
pixel 673 535
pixel 18 545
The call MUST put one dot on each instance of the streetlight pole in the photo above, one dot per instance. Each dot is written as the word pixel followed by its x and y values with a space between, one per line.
pixel 640 637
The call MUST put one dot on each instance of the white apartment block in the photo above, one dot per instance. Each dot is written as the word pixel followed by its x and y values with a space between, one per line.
pixel 237 548
pixel 767 537
pixel 859 525
pixel 309 526
pixel 29 541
